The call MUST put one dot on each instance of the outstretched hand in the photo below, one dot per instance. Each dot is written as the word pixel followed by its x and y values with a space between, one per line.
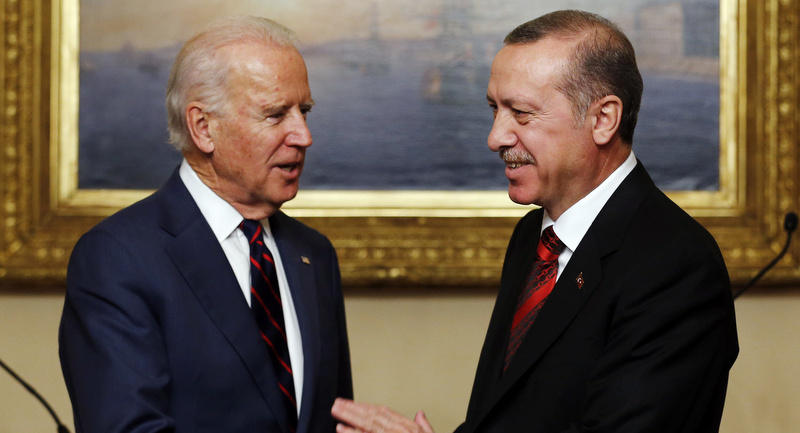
pixel 368 418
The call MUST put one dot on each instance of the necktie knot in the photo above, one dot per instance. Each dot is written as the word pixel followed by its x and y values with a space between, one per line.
pixel 550 246
pixel 251 229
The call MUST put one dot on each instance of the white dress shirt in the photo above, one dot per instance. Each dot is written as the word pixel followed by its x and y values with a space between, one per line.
pixel 224 221
pixel 573 224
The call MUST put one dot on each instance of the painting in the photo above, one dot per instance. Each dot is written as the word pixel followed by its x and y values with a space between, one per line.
pixel 397 85
pixel 440 216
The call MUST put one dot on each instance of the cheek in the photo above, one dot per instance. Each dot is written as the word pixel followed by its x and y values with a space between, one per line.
pixel 533 141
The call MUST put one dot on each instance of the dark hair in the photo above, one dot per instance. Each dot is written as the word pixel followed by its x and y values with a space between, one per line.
pixel 603 62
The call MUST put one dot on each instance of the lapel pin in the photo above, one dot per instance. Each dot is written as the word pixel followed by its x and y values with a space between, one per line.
pixel 579 280
pixel 305 260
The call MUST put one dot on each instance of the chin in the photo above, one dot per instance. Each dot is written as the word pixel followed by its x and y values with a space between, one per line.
pixel 288 196
pixel 520 197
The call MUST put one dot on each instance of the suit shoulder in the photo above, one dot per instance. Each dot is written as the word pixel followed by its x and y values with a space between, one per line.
pixel 284 223
pixel 669 219
pixel 661 226
pixel 129 222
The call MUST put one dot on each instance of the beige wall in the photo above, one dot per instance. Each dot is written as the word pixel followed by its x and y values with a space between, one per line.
pixel 416 350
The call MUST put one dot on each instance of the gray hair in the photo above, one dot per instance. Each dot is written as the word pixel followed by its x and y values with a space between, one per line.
pixel 200 73
pixel 603 62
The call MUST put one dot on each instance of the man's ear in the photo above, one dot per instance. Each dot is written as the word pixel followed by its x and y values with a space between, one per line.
pixel 607 115
pixel 199 124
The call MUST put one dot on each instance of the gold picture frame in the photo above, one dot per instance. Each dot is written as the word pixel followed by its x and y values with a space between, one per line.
pixel 398 238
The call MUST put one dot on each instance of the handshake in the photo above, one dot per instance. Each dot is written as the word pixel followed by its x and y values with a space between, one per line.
pixel 357 417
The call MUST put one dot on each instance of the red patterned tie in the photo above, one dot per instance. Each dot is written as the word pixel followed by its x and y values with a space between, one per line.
pixel 538 286
pixel 266 306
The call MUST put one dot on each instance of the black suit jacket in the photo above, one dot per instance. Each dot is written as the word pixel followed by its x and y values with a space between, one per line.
pixel 156 335
pixel 638 334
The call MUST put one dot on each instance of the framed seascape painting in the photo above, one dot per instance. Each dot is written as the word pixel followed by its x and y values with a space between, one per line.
pixel 399 176
pixel 400 89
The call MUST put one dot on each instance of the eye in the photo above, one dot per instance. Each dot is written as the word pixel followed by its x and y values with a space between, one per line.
pixel 521 116
pixel 274 116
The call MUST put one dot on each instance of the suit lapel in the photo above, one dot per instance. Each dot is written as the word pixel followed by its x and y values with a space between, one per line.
pixel 575 286
pixel 204 266
pixel 485 390
pixel 562 305
pixel 299 264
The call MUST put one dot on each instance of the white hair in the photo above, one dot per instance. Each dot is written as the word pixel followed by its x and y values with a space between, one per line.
pixel 200 73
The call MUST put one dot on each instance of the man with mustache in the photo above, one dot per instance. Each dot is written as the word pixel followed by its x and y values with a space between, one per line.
pixel 615 311
pixel 204 308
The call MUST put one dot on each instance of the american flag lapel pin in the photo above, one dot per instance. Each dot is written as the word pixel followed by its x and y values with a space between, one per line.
pixel 305 260
pixel 579 281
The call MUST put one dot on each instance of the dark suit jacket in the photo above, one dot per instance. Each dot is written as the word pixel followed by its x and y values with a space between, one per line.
pixel 643 345
pixel 157 336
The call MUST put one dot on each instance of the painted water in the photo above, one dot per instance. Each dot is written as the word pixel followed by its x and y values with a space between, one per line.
pixel 403 113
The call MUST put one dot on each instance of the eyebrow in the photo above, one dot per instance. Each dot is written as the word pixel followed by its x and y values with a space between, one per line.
pixel 507 102
pixel 279 108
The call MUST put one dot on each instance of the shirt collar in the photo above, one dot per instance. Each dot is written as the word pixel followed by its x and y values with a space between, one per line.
pixel 573 224
pixel 220 215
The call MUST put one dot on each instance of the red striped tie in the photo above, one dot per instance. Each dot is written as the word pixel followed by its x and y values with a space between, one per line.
pixel 538 286
pixel 266 306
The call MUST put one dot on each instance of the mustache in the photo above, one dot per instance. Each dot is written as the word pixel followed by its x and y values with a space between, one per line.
pixel 516 155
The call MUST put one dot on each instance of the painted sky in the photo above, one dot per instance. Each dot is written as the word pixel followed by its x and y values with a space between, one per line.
pixel 382 104
pixel 108 25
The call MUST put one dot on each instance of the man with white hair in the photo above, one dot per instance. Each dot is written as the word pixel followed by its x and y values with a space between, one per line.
pixel 204 308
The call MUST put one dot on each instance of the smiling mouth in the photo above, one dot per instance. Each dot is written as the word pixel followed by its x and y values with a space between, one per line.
pixel 515 159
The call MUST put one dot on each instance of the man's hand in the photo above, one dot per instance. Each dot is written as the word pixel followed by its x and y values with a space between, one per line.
pixel 368 418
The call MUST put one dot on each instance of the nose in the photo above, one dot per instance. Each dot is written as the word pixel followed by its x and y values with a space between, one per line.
pixel 502 134
pixel 299 134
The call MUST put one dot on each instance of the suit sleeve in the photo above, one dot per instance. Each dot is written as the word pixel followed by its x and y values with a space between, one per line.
pixel 111 348
pixel 671 342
